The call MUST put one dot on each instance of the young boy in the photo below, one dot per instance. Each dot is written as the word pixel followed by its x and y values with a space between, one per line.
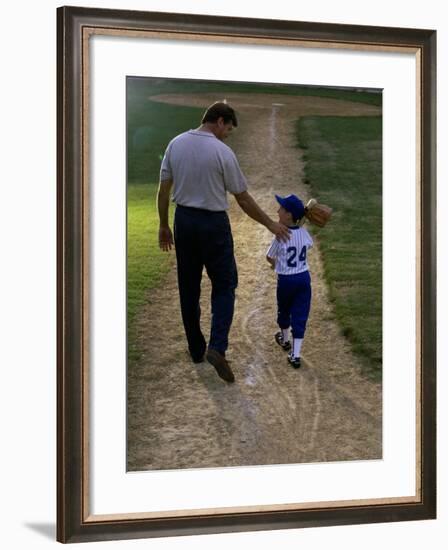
pixel 289 259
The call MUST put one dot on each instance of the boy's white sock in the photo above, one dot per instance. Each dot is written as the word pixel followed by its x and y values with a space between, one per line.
pixel 285 334
pixel 297 346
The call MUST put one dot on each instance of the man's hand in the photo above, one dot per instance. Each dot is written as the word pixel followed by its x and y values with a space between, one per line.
pixel 279 230
pixel 163 204
pixel 165 238
pixel 251 208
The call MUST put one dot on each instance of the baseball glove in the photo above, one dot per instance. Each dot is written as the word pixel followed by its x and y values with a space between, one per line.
pixel 316 213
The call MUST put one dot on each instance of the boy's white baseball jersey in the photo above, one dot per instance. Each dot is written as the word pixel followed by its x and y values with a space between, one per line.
pixel 291 256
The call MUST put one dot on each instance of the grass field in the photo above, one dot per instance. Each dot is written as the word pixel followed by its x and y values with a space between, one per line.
pixel 147 264
pixel 150 125
pixel 149 131
pixel 344 169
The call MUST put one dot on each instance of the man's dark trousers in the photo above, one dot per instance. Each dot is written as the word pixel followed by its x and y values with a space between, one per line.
pixel 204 239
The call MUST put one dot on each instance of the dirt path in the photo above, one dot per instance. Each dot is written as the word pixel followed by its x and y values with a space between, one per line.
pixel 181 415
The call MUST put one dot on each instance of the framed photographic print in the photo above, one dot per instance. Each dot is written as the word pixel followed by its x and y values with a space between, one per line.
pixel 191 423
pixel 153 441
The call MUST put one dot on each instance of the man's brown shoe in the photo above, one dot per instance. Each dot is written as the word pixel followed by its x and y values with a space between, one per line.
pixel 221 365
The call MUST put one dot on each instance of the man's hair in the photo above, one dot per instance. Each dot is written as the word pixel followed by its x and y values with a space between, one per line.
pixel 217 110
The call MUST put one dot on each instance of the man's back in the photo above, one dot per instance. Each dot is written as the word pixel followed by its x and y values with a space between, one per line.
pixel 203 169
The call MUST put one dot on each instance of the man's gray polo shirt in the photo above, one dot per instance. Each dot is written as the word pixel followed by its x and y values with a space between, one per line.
pixel 203 169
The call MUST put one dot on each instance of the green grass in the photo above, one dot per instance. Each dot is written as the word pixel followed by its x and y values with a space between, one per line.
pixel 150 128
pixel 147 264
pixel 151 125
pixel 139 88
pixel 344 169
pixel 347 156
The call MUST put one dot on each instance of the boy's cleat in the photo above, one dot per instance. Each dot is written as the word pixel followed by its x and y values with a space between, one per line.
pixel 294 361
pixel 279 339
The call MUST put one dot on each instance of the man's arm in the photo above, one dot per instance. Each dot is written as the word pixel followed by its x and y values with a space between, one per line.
pixel 163 205
pixel 251 208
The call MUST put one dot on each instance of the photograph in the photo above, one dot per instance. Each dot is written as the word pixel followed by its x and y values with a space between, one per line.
pixel 246 330
pixel 254 323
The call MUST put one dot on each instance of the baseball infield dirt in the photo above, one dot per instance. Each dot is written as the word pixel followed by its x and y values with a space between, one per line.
pixel 181 415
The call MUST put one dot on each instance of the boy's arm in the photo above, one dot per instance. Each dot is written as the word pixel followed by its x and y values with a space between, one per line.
pixel 272 253
pixel 271 261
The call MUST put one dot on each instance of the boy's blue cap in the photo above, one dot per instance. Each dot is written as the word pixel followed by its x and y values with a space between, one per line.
pixel 292 204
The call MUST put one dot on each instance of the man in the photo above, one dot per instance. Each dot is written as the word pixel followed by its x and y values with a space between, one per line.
pixel 201 169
